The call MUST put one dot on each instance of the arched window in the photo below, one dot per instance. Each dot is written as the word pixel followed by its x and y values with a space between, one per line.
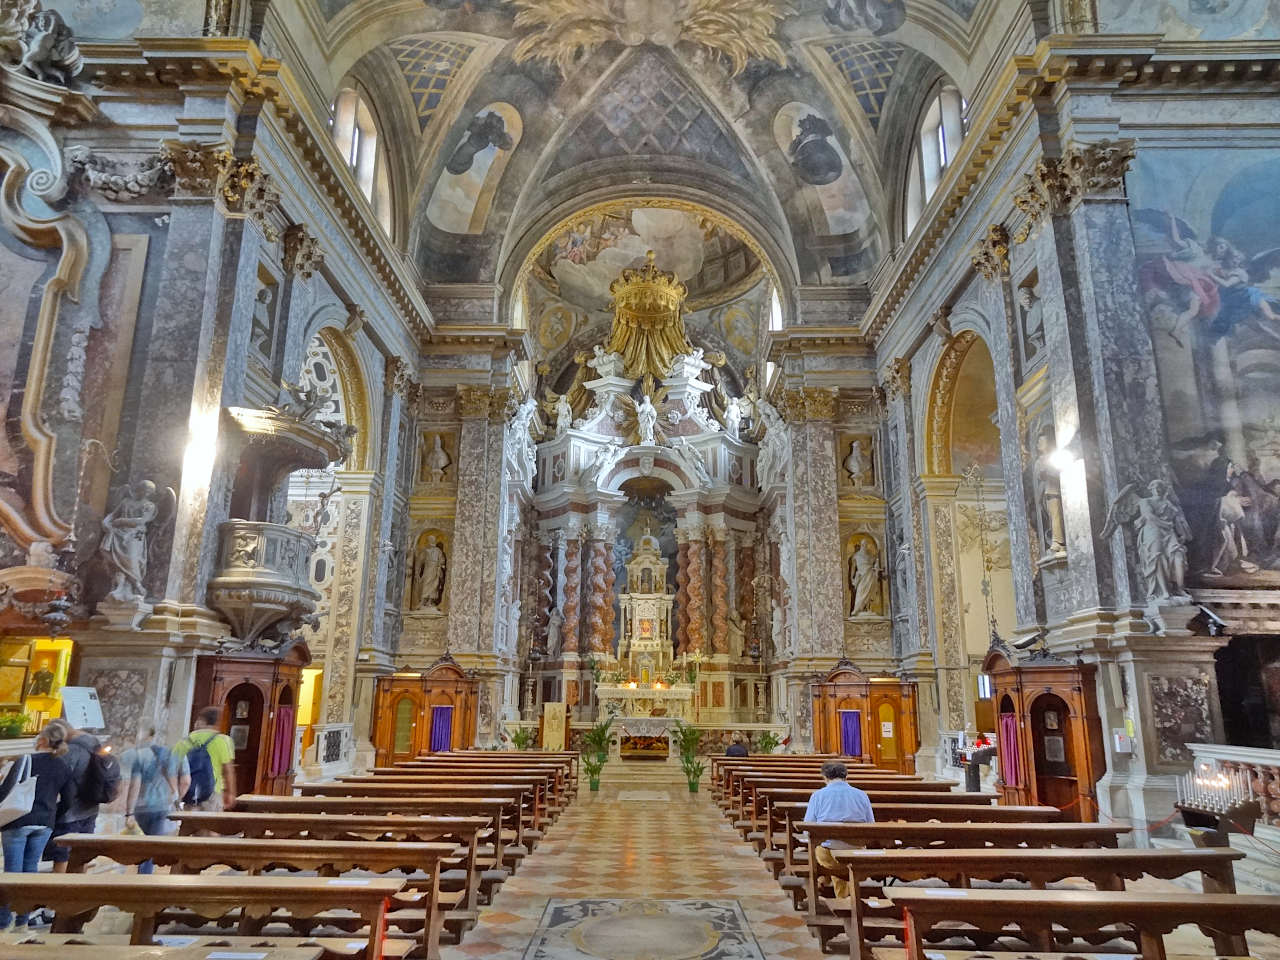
pixel 356 134
pixel 936 144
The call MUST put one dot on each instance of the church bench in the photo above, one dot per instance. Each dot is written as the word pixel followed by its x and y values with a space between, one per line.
pixel 558 774
pixel 1082 914
pixel 742 790
pixel 571 757
pixel 527 792
pixel 465 872
pixel 548 784
pixel 932 953
pixel 328 858
pixel 738 780
pixel 503 813
pixel 1106 869
pixel 77 896
pixel 722 772
pixel 123 951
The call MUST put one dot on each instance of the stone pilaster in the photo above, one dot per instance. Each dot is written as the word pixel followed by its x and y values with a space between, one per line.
pixel 470 523
pixel 937 502
pixel 351 561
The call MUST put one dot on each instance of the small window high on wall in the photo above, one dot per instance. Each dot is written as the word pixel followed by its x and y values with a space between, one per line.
pixel 356 134
pixel 936 143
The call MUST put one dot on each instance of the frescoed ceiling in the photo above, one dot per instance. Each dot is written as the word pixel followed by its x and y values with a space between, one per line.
pixel 774 111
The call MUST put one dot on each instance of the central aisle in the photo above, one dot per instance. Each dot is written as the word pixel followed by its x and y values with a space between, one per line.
pixel 635 843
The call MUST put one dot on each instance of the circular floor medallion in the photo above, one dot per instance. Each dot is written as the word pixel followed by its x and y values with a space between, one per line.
pixel 648 933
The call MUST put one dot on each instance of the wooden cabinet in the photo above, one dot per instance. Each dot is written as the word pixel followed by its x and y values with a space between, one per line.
pixel 257 692
pixel 415 713
pixel 868 719
pixel 1049 734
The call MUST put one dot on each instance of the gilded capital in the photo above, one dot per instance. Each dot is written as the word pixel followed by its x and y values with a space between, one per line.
pixel 247 191
pixel 400 376
pixel 991 257
pixel 301 253
pixel 198 168
pixel 820 403
pixel 473 402
pixel 898 381
pixel 1098 169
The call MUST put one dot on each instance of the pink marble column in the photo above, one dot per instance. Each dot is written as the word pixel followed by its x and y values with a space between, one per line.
pixel 572 594
pixel 697 594
pixel 719 592
pixel 682 593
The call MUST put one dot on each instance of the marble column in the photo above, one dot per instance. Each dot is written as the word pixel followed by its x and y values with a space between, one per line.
pixel 571 627
pixel 543 561
pixel 682 591
pixel 746 574
pixel 599 600
pixel 719 591
pixel 696 592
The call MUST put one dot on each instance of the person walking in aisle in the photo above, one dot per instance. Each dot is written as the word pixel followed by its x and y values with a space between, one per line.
pixel 157 779
pixel 210 756
pixel 81 811
pixel 24 839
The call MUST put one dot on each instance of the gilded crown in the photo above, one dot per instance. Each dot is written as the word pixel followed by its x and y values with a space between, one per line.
pixel 648 290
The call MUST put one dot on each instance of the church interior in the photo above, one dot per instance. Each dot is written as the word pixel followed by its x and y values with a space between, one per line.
pixel 536 399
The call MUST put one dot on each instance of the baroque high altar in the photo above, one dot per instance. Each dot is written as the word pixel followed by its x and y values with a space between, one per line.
pixel 646 505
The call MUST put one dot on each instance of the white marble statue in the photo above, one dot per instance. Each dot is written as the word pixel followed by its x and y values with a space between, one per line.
pixel 124 541
pixel 864 579
pixel 1049 491
pixel 430 569
pixel 605 364
pixel 564 415
pixel 646 420
pixel 437 460
pixel 603 461
pixel 771 461
pixel 1162 534
pixel 1032 320
pixel 554 622
pixel 692 458
pixel 733 418
pixel 855 464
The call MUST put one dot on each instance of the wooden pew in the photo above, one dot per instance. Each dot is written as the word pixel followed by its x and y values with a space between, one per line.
pixel 1106 869
pixel 503 813
pixel 98 951
pixel 1228 917
pixel 77 896
pixel 470 872
pixel 526 792
pixel 549 796
pixel 569 757
pixel 737 781
pixel 557 775
pixel 327 858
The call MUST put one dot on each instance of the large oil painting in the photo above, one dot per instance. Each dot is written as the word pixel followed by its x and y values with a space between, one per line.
pixel 1205 225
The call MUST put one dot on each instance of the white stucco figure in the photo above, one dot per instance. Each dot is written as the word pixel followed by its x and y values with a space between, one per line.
pixel 646 420
pixel 605 364
pixel 1162 534
pixel 124 541
pixel 692 457
pixel 437 460
pixel 864 579
pixel 564 415
pixel 855 464
pixel 733 417
pixel 430 568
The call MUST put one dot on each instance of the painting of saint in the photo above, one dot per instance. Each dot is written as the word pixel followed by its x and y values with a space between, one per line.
pixel 1209 278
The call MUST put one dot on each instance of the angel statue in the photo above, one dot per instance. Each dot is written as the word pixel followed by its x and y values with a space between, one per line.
pixel 1162 534
pixel 124 541
pixel 646 420
pixel 605 364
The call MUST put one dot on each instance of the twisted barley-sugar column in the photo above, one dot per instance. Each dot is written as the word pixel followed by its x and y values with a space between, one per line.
pixel 682 596
pixel 746 573
pixel 719 595
pixel 596 583
pixel 542 612
pixel 607 613
pixel 697 592
pixel 572 596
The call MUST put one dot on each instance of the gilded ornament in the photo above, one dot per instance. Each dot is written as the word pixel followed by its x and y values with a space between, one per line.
pixel 301 254
pixel 566 32
pixel 197 167
pixel 247 191
pixel 473 402
pixel 991 257
pixel 942 401
pixel 119 180
pixel 898 381
pixel 648 325
pixel 1089 170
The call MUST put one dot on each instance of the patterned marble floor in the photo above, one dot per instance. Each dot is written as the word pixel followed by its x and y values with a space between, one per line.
pixel 657 842
pixel 637 841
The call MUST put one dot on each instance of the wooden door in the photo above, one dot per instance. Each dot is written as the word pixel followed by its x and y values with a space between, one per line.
pixel 1053 748
pixel 246 715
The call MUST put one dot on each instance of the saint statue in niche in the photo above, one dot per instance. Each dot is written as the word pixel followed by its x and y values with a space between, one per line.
pixel 1032 321
pixel 430 570
pixel 864 579
pixel 437 460
pixel 1049 491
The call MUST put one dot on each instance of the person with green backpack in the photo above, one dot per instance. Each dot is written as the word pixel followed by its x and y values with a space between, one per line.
pixel 210 757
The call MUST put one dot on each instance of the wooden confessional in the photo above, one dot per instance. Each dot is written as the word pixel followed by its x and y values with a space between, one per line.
pixel 1049 734
pixel 869 719
pixel 257 692
pixel 416 713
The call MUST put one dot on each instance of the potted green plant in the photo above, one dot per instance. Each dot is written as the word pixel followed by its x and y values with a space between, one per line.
pixel 522 738
pixel 597 739
pixel 593 766
pixel 767 742
pixel 13 725
pixel 693 770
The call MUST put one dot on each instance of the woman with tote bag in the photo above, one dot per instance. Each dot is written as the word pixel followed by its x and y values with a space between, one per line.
pixel 34 782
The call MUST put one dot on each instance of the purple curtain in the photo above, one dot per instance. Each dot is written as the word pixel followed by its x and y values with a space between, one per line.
pixel 851 733
pixel 282 749
pixel 1009 749
pixel 441 729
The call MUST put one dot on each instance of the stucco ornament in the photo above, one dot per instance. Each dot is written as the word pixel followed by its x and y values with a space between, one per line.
pixel 692 458
pixel 604 363
pixel 565 32
pixel 49 52
pixel 564 415
pixel 124 540
pixel 1162 535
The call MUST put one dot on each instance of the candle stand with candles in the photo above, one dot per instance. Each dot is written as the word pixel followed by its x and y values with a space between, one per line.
pixel 1215 802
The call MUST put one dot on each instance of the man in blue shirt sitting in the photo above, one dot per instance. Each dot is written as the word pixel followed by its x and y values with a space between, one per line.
pixel 837 802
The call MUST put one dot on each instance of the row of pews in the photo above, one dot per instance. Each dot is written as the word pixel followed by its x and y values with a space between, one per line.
pixel 947 875
pixel 387 865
